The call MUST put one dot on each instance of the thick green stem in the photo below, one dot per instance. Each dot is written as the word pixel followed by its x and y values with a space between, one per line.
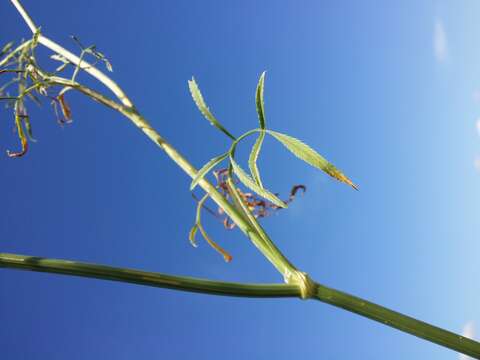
pixel 322 293
pixel 398 321
pixel 182 283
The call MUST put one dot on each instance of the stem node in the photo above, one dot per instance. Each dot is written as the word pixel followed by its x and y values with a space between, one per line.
pixel 308 287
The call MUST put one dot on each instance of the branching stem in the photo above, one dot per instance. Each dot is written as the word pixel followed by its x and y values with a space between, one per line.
pixel 300 285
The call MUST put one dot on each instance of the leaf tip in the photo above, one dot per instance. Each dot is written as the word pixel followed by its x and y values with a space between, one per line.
pixel 340 176
pixel 191 235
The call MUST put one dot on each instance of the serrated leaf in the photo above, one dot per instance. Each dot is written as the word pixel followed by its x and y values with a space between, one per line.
pixel 310 156
pixel 202 106
pixel 206 169
pixel 250 183
pixel 259 101
pixel 252 160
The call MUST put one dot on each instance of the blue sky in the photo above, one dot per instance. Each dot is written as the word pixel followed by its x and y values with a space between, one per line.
pixel 388 91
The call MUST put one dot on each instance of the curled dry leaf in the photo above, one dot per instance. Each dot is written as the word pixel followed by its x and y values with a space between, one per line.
pixel 67 113
pixel 258 206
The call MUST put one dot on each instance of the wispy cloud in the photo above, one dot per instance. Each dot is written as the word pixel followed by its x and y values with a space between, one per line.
pixel 476 96
pixel 440 41
pixel 476 164
pixel 469 332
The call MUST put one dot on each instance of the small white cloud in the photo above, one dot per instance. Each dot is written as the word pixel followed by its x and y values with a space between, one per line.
pixel 476 96
pixel 440 42
pixel 477 125
pixel 469 332
pixel 476 164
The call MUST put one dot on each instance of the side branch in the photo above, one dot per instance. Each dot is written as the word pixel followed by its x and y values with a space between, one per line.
pixel 182 283
pixel 270 251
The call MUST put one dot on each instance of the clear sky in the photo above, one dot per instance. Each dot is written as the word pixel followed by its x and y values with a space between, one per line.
pixel 389 91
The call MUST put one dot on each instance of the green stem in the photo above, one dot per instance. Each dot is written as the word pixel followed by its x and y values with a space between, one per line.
pixel 263 241
pixel 322 293
pixel 267 247
pixel 183 283
pixel 398 321
pixel 11 54
pixel 126 108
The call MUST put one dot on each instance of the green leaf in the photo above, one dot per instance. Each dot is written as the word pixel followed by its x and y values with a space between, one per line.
pixel 6 48
pixel 108 65
pixel 28 127
pixel 252 160
pixel 198 213
pixel 310 156
pixel 250 183
pixel 191 235
pixel 198 226
pixel 202 106
pixel 206 169
pixel 60 58
pixel 61 68
pixel 259 101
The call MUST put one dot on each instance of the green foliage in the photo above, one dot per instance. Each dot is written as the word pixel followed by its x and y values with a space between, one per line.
pixel 259 101
pixel 6 48
pixel 206 169
pixel 253 181
pixel 310 156
pixel 92 50
pixel 252 160
pixel 191 235
pixel 198 226
pixel 252 185
pixel 202 106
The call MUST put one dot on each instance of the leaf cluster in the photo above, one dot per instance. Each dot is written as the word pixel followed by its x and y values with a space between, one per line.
pixel 24 81
pixel 251 180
